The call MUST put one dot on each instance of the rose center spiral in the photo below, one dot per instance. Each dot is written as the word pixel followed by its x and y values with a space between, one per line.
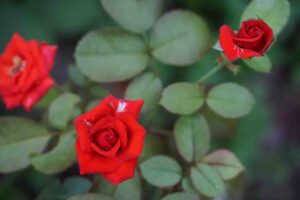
pixel 254 31
pixel 17 66
pixel 106 139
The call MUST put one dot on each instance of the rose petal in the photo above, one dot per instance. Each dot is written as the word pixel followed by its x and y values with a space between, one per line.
pixel 111 153
pixel 49 52
pixel 12 101
pixel 37 93
pixel 90 163
pixel 125 171
pixel 136 134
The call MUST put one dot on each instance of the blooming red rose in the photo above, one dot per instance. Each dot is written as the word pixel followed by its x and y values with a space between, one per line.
pixel 253 39
pixel 24 72
pixel 110 139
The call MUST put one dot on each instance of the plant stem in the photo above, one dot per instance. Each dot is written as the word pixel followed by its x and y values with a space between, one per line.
pixel 215 69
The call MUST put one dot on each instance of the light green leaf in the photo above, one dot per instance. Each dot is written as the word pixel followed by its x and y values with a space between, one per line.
pixel 230 100
pixel 181 196
pixel 134 15
pixel 274 12
pixel 180 38
pixel 261 64
pixel 20 137
pixel 161 171
pixel 225 162
pixel 192 137
pixel 182 98
pixel 129 190
pixel 59 158
pixel 62 191
pixel 187 185
pixel 146 82
pixel 61 109
pixel 91 196
pixel 207 180
pixel 76 76
pixel 111 55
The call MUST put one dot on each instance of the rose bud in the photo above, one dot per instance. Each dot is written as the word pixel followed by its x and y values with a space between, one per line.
pixel 253 39
pixel 110 139
pixel 24 72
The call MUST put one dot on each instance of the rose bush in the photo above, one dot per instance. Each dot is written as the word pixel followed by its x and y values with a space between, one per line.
pixel 110 139
pixel 24 72
pixel 252 39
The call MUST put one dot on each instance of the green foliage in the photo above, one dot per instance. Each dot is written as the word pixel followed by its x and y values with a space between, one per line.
pixel 136 90
pixel 187 185
pixel 134 15
pixel 182 98
pixel 153 145
pixel 20 137
pixel 180 38
pixel 129 190
pixel 192 137
pixel 90 196
pixel 274 12
pixel 261 64
pixel 111 55
pixel 207 180
pixel 59 158
pixel 62 191
pixel 225 162
pixel 161 171
pixel 76 76
pixel 181 196
pixel 230 100
pixel 60 110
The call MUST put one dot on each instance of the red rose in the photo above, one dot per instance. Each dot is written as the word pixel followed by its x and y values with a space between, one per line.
pixel 253 39
pixel 24 72
pixel 110 139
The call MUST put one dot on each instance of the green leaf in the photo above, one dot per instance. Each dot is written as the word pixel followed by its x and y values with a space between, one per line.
pixel 134 15
pixel 161 171
pixel 129 190
pixel 181 196
pixel 59 158
pixel 48 98
pixel 274 12
pixel 61 109
pixel 91 196
pixel 146 82
pixel 261 64
pixel 76 76
pixel 207 180
pixel 20 137
pixel 111 55
pixel 103 186
pixel 62 191
pixel 180 38
pixel 225 162
pixel 187 185
pixel 192 137
pixel 182 98
pixel 230 100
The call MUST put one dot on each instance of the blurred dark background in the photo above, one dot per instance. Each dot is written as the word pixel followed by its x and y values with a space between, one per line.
pixel 267 140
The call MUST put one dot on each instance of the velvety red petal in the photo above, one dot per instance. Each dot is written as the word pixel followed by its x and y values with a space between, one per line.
pixel 49 52
pixel 37 93
pixel 136 135
pixel 124 172
pixel 227 43
pixel 90 163
pixel 111 153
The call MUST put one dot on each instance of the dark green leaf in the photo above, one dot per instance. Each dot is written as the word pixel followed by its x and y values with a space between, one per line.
pixel 180 38
pixel 192 137
pixel 182 98
pixel 91 196
pixel 146 82
pixel 230 100
pixel 59 158
pixel 134 15
pixel 20 137
pixel 111 55
pixel 129 190
pixel 161 171
pixel 181 196
pixel 61 109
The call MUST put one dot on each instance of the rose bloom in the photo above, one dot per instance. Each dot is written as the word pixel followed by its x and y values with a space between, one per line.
pixel 24 72
pixel 253 39
pixel 110 139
